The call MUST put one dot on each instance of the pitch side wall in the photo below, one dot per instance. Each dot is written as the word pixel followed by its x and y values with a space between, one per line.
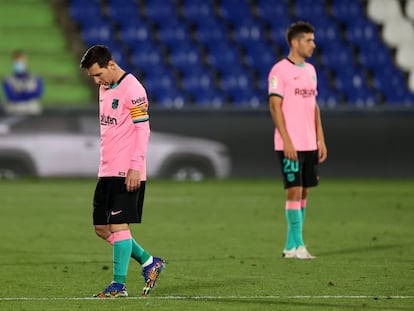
pixel 360 143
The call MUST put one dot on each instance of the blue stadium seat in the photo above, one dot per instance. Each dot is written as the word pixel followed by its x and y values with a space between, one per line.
pixel 248 33
pixel 172 32
pixel 235 11
pixel 223 57
pixel 247 97
pixel 146 57
pixel 210 98
pixel 86 13
pixel 272 11
pixel 260 57
pixel 122 11
pixel 209 32
pixel 362 32
pixel 160 11
pixel 195 10
pixel 347 11
pixel 373 55
pixel 185 57
pixel 310 10
pixel 134 32
pixel 336 54
pixel 348 78
pixel 97 34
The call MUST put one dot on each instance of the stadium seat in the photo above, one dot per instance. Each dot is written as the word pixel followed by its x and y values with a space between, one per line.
pixel 134 32
pixel 373 55
pixel 209 32
pixel 383 11
pixel 272 11
pixel 210 98
pixel 235 11
pixel 347 12
pixel 404 56
pixel 409 9
pixel 398 31
pixel 336 54
pixel 195 10
pixel 85 13
pixel 411 81
pixel 311 11
pixel 185 57
pixel 146 57
pixel 122 11
pixel 362 32
pixel 171 32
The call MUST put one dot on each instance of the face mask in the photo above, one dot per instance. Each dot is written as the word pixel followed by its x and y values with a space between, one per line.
pixel 19 67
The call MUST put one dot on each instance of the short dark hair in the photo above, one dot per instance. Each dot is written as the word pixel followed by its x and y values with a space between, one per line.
pixel 96 54
pixel 296 30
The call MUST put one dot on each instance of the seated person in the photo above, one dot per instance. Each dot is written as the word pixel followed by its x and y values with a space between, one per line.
pixel 22 89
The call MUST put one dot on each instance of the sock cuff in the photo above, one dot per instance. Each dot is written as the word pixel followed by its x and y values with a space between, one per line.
pixel 292 205
pixel 303 203
pixel 121 235
pixel 110 239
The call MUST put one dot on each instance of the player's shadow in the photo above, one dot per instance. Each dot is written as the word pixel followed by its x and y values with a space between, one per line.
pixel 362 249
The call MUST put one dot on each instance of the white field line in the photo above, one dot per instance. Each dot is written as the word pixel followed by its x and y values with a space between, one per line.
pixel 207 298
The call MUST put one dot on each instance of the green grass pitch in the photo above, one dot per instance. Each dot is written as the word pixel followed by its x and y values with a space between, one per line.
pixel 222 241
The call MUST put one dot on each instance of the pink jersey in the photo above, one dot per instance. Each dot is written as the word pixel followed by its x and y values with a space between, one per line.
pixel 296 85
pixel 125 129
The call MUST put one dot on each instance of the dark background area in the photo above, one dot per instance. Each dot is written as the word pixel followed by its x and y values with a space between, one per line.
pixel 369 143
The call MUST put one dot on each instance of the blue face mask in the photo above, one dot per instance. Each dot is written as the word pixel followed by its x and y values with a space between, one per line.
pixel 19 66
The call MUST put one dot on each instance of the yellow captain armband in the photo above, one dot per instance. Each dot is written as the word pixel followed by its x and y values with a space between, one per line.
pixel 139 113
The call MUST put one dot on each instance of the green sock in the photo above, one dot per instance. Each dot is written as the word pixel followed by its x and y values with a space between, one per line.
pixel 290 241
pixel 294 218
pixel 138 253
pixel 303 211
pixel 122 253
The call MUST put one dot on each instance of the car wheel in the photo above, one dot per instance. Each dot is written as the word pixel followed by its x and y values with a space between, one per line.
pixel 11 169
pixel 194 170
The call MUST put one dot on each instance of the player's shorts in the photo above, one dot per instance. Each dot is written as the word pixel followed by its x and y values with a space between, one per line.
pixel 113 204
pixel 301 173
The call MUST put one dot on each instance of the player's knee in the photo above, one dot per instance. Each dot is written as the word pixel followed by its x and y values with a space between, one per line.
pixel 102 231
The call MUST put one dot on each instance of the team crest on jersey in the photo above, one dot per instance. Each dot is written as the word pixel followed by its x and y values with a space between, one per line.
pixel 273 82
pixel 115 103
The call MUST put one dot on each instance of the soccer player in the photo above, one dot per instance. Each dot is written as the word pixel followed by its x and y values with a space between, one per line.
pixel 299 139
pixel 119 194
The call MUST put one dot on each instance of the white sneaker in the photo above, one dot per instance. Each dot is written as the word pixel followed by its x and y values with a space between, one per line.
pixel 291 253
pixel 302 253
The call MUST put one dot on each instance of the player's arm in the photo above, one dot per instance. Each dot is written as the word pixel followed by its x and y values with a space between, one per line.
pixel 322 150
pixel 275 104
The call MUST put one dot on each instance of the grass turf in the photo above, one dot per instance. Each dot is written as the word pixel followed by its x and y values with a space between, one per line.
pixel 222 241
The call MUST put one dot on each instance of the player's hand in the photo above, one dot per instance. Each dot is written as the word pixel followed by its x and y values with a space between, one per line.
pixel 133 180
pixel 289 151
pixel 322 151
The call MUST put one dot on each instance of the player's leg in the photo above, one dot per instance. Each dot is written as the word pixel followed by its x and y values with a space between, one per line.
pixel 109 221
pixel 309 179
pixel 303 203
pixel 294 218
pixel 292 182
pixel 151 266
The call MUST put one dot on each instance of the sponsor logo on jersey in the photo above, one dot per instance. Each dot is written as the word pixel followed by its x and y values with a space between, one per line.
pixel 108 120
pixel 305 93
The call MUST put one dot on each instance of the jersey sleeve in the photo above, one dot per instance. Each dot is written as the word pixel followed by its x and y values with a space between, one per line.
pixel 275 83
pixel 138 104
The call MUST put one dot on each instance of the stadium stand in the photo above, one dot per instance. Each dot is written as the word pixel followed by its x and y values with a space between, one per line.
pixel 30 25
pixel 219 52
